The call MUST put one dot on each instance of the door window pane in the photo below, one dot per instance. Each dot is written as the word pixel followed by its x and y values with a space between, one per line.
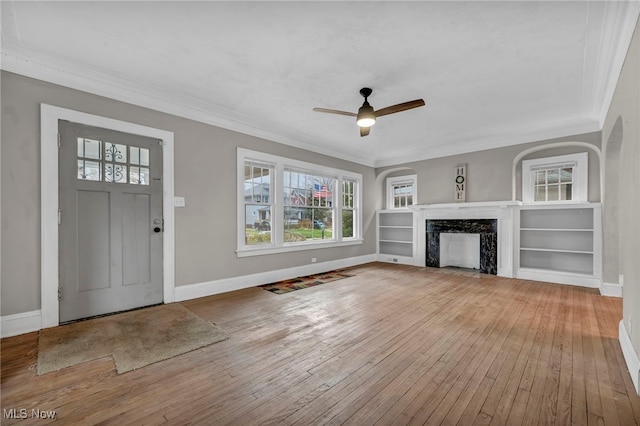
pixel 115 152
pixel 89 170
pixel 116 173
pixel 88 148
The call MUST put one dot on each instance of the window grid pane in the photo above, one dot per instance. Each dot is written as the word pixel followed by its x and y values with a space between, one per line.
pixel 348 192
pixel 308 206
pixel 402 195
pixel 553 184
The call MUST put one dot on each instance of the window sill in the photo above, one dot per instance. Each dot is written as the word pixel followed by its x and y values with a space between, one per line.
pixel 246 252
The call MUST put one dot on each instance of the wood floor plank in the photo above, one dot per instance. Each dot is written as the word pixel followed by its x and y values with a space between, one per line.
pixel 394 344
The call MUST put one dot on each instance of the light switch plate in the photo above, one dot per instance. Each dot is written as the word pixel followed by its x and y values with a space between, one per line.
pixel 178 201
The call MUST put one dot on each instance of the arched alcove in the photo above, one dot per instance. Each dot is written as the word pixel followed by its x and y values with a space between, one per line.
pixel 516 182
pixel 380 192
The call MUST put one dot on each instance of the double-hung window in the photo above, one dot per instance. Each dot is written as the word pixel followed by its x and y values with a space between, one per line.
pixel 288 205
pixel 555 179
pixel 401 191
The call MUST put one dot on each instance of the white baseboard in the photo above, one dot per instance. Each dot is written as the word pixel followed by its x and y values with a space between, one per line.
pixel 25 322
pixel 209 288
pixel 630 356
pixel 611 289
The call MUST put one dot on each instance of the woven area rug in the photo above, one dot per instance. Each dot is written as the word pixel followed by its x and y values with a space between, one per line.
pixel 299 283
pixel 134 339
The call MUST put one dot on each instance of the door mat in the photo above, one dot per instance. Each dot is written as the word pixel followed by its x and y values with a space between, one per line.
pixel 134 339
pixel 299 283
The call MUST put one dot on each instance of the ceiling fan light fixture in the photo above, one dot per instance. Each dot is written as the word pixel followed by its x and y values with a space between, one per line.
pixel 366 116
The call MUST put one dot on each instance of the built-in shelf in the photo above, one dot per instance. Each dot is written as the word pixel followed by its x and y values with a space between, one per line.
pixel 556 250
pixel 560 243
pixel 396 236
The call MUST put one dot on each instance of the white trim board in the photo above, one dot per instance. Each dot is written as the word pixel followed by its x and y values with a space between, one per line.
pixel 49 116
pixel 611 289
pixel 630 356
pixel 25 322
pixel 209 288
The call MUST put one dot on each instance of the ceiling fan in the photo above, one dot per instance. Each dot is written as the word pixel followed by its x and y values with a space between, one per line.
pixel 366 116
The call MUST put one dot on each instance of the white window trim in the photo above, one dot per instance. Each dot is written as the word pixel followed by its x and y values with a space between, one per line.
pixel 391 181
pixel 580 185
pixel 277 222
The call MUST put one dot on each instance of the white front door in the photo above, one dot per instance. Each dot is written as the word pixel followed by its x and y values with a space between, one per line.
pixel 110 239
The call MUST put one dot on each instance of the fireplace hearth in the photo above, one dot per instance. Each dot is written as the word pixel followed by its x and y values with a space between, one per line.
pixel 487 228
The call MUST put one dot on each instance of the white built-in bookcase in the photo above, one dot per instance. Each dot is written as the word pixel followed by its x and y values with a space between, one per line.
pixel 560 243
pixel 396 234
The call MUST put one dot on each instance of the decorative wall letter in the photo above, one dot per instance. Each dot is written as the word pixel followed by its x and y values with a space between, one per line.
pixel 460 184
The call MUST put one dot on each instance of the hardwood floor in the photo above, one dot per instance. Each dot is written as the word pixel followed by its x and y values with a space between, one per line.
pixel 393 345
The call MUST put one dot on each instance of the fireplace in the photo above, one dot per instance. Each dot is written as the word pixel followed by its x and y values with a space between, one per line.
pixel 486 228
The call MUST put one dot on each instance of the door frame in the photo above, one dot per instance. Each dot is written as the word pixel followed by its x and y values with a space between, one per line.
pixel 49 259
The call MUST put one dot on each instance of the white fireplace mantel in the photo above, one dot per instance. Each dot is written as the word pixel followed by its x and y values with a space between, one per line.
pixel 503 211
pixel 472 205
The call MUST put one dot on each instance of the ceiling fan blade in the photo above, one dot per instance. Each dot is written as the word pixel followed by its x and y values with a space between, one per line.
pixel 364 131
pixel 399 107
pixel 335 111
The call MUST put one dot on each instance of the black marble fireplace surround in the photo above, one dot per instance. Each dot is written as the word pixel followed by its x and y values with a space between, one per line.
pixel 487 228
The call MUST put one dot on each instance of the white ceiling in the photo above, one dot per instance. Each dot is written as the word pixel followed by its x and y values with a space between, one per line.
pixel 491 73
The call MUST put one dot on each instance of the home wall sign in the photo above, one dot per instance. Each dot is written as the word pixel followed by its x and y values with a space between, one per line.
pixel 460 183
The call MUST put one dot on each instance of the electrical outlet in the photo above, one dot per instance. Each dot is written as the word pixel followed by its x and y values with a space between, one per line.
pixel 314 260
pixel 395 259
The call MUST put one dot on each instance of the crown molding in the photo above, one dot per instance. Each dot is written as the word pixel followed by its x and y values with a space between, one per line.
pixel 53 71
pixel 35 65
pixel 517 137
pixel 620 22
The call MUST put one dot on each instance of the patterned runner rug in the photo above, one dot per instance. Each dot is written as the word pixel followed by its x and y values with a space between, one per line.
pixel 299 283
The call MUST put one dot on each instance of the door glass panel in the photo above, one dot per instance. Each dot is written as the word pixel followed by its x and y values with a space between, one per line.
pixel 139 156
pixel 114 167
pixel 115 152
pixel 89 170
pixel 116 173
pixel 138 175
pixel 89 148
pixel 134 155
pixel 144 157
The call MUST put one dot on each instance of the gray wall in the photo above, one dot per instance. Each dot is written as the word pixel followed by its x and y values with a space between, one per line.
pixel 205 170
pixel 489 172
pixel 621 140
